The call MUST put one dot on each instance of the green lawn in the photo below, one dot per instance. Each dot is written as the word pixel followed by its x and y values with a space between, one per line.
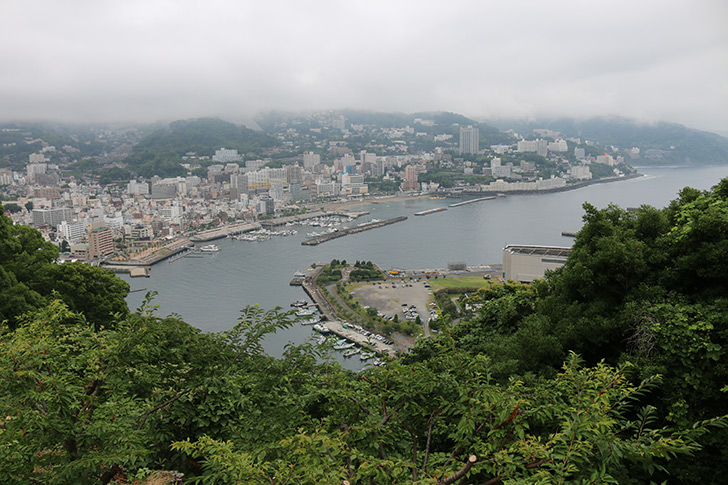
pixel 460 282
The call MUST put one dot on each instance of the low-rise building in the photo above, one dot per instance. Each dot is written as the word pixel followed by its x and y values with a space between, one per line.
pixel 526 263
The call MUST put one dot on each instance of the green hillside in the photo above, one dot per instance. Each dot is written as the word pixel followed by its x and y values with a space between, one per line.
pixel 659 143
pixel 161 152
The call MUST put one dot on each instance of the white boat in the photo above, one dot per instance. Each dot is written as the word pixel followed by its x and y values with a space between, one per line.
pixel 344 346
pixel 210 248
pixel 300 303
pixel 320 328
pixel 365 356
pixel 351 352
pixel 304 312
pixel 310 321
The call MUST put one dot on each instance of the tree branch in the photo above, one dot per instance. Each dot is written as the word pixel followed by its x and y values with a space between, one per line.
pixel 430 423
pixel 157 408
pixel 460 473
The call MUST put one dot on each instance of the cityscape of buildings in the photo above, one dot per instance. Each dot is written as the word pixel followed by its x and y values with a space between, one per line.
pixel 92 221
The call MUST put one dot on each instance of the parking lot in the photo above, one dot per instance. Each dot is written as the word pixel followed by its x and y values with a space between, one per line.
pixel 393 296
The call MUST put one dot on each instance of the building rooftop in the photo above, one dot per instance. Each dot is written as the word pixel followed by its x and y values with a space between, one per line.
pixel 554 251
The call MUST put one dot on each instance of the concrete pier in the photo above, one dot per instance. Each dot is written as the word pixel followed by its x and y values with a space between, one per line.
pixel 353 230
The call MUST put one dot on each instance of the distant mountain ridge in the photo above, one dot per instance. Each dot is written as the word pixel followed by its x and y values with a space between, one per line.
pixel 659 143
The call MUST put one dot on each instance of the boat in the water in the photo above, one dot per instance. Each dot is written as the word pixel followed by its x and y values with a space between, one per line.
pixel 210 248
pixel 310 321
pixel 300 303
pixel 352 352
pixel 344 346
pixel 321 328
pixel 305 312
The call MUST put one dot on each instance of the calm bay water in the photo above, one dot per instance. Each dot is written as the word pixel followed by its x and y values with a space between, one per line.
pixel 209 292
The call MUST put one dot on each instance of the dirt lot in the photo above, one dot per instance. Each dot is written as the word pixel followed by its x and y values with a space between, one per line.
pixel 389 300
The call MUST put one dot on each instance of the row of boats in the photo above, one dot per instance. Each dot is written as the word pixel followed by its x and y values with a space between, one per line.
pixel 350 348
pixel 262 234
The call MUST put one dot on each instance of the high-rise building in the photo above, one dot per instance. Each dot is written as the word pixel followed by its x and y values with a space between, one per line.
pixel 100 241
pixel 410 178
pixel 51 217
pixel 469 140
pixel 310 160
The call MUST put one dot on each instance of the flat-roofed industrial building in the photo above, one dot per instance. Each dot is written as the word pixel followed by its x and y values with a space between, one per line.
pixel 526 263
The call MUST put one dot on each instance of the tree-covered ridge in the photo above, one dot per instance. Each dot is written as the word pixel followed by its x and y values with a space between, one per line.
pixel 161 152
pixel 30 277
pixel 647 287
pixel 85 406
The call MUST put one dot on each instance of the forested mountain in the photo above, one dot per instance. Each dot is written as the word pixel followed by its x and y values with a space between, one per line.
pixel 612 370
pixel 161 152
pixel 659 143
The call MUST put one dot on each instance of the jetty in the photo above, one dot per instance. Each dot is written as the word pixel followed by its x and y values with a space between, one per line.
pixel 458 204
pixel 314 241
pixel 430 211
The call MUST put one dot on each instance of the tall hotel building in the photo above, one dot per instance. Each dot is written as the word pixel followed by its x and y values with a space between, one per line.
pixel 469 140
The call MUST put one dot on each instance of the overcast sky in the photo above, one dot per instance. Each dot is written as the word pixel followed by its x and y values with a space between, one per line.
pixel 147 60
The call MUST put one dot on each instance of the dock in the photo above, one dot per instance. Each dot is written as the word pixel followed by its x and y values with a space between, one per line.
pixel 225 231
pixel 458 204
pixel 334 325
pixel 353 230
pixel 430 211
pixel 279 221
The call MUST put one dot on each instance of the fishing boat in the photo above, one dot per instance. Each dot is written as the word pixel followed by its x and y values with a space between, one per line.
pixel 321 328
pixel 352 352
pixel 344 346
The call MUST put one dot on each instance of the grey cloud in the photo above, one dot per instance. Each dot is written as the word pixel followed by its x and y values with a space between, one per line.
pixel 155 59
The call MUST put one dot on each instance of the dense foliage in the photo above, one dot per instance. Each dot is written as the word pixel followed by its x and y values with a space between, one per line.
pixel 502 396
pixel 646 286
pixel 30 276
pixel 365 271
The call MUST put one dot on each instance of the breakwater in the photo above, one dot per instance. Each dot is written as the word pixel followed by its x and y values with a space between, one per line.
pixel 458 204
pixel 314 241
pixel 430 211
